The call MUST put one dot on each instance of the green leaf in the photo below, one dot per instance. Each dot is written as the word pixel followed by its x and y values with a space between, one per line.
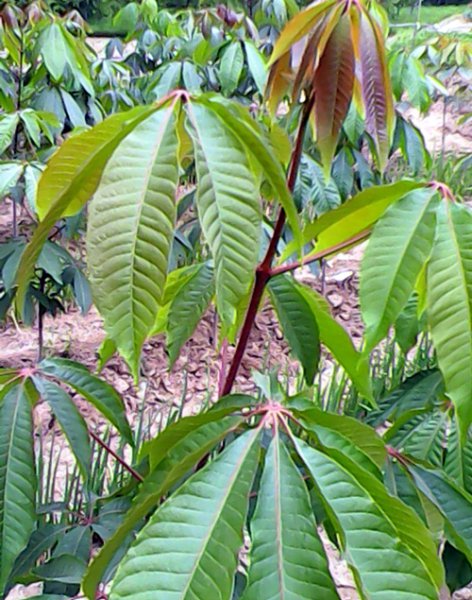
pixel 417 393
pixel 130 230
pixel 360 438
pixel 8 125
pixel 287 558
pixel 175 453
pixel 42 539
pixel 64 569
pixel 10 172
pixel 298 322
pixel 424 441
pixel 398 248
pixel 384 541
pixel 407 325
pixel 339 343
pixel 454 504
pixel 256 144
pixel 187 308
pixel 51 46
pixel 229 207
pixel 71 178
pixel 449 297
pixel 458 461
pixel 353 217
pixel 71 422
pixel 17 478
pixel 231 67
pixel 257 65
pixel 96 391
pixel 190 545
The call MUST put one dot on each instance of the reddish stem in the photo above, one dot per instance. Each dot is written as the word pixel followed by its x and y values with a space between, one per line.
pixel 263 272
pixel 118 458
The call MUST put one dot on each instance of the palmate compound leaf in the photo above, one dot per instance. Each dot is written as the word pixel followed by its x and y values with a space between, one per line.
pixel 130 230
pixel 70 179
pixel 389 549
pixel 17 477
pixel 449 300
pixel 398 249
pixel 174 452
pixel 189 548
pixel 287 557
pixel 228 205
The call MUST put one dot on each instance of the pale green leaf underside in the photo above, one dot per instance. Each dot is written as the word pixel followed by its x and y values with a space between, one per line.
pixel 17 478
pixel 397 251
pixel 449 281
pixel 287 559
pixel 70 179
pixel 189 549
pixel 130 230
pixel 229 207
pixel 385 542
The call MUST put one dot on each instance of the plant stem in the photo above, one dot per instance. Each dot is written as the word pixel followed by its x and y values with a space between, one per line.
pixel 118 458
pixel 19 94
pixel 263 272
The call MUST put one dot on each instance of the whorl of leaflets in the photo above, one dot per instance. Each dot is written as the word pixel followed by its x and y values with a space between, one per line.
pixel 331 54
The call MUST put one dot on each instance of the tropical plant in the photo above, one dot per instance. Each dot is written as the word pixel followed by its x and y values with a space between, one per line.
pixel 236 501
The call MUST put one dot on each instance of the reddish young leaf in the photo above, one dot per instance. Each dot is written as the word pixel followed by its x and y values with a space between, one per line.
pixel 333 87
pixel 376 86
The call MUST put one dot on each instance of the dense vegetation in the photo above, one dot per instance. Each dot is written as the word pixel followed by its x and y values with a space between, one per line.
pixel 207 157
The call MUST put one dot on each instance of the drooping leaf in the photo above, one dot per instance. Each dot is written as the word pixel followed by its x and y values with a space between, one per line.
pixel 253 138
pixel 187 308
pixel 449 297
pixel 376 87
pixel 10 172
pixel 71 421
pixel 188 552
pixel 333 85
pixel 130 230
pixel 95 390
pixel 71 178
pixel 408 325
pixel 298 322
pixel 228 206
pixel 257 65
pixel 8 125
pixel 287 557
pixel 17 478
pixel 384 541
pixel 398 248
pixel 454 504
pixel 175 454
pixel 339 343
pixel 360 437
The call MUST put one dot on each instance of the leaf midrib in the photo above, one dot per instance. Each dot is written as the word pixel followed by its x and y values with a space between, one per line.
pixel 217 513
